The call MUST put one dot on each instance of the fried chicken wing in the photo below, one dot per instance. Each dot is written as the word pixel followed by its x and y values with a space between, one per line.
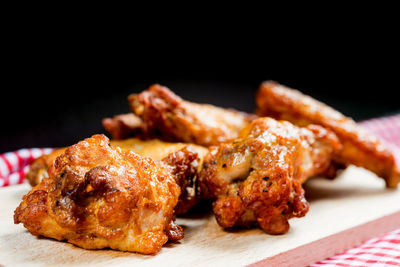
pixel 97 196
pixel 167 116
pixel 185 161
pixel 359 147
pixel 123 126
pixel 257 178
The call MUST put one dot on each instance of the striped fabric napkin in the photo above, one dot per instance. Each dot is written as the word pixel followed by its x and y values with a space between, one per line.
pixel 14 165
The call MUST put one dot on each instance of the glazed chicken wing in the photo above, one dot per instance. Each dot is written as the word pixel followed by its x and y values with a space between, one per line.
pixel 167 116
pixel 359 147
pixel 257 178
pixel 185 160
pixel 97 196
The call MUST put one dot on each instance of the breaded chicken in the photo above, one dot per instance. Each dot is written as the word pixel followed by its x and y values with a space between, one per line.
pixel 359 147
pixel 97 196
pixel 169 117
pixel 257 178
pixel 185 160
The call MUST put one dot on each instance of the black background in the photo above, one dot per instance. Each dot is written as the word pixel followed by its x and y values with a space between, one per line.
pixel 55 93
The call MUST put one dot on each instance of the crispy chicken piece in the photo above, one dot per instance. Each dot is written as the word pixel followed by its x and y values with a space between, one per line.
pixel 97 196
pixel 185 161
pixel 257 178
pixel 123 126
pixel 167 116
pixel 359 147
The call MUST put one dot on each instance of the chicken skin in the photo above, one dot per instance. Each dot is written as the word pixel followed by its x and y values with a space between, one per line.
pixel 97 196
pixel 123 126
pixel 185 161
pixel 359 147
pixel 155 148
pixel 257 178
pixel 167 116
pixel 38 168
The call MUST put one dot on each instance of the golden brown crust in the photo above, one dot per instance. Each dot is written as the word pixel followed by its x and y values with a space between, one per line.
pixel 359 147
pixel 154 148
pixel 123 126
pixel 184 159
pixel 167 116
pixel 97 196
pixel 185 166
pixel 257 178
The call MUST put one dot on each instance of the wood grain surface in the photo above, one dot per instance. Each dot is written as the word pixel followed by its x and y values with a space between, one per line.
pixel 343 213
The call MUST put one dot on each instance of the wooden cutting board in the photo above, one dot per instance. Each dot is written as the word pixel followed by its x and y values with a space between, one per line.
pixel 343 213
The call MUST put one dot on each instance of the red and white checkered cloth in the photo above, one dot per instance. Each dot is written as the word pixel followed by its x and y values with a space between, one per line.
pixel 14 165
pixel 382 251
